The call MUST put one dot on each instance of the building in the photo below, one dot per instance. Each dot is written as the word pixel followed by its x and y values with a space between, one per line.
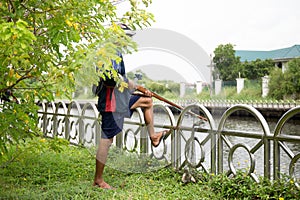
pixel 279 56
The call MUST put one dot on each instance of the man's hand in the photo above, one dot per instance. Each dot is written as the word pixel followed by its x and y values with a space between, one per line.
pixel 145 91
pixel 132 85
pixel 148 93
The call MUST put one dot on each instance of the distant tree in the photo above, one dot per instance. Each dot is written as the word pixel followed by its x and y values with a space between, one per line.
pixel 256 69
pixel 46 44
pixel 276 84
pixel 173 88
pixel 157 87
pixel 293 73
pixel 226 63
pixel 287 84
pixel 162 87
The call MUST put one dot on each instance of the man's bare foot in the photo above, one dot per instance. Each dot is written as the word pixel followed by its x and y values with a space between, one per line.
pixel 158 137
pixel 103 185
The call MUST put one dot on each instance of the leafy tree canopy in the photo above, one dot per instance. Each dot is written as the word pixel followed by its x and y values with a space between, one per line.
pixel 287 84
pixel 46 44
pixel 226 62
pixel 256 69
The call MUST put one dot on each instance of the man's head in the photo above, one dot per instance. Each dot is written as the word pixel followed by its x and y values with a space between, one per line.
pixel 127 30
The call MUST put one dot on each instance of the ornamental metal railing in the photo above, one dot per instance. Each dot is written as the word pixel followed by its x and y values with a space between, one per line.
pixel 214 146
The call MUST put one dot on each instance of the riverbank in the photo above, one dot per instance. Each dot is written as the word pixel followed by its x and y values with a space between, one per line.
pixel 52 169
pixel 269 109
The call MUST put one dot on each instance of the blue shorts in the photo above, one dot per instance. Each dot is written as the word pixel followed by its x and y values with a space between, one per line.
pixel 133 99
pixel 112 123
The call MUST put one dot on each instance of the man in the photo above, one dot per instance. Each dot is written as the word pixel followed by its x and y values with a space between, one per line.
pixel 112 120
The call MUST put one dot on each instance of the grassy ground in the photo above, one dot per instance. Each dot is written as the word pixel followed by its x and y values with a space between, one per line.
pixel 45 170
pixel 40 174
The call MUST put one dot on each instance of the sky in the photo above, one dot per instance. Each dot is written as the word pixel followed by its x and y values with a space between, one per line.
pixel 247 24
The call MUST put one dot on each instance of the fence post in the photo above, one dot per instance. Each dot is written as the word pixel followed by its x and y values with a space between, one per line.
pixel 218 86
pixel 265 86
pixel 119 140
pixel 239 84
pixel 45 119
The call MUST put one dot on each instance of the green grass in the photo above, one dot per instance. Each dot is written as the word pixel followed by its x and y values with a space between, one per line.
pixel 66 172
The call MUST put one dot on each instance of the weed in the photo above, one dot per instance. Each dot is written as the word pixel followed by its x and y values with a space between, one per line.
pixel 68 174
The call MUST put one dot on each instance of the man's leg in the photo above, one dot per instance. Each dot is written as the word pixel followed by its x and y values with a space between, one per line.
pixel 101 158
pixel 147 105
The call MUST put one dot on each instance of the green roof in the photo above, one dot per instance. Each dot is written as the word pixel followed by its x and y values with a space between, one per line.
pixel 278 54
